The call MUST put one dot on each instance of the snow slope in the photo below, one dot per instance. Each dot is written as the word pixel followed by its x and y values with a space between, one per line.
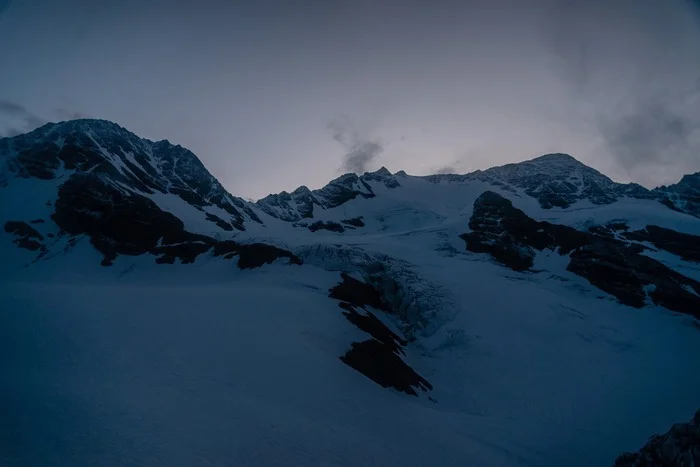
pixel 150 364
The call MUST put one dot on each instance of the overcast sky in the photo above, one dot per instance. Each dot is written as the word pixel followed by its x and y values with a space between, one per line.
pixel 273 94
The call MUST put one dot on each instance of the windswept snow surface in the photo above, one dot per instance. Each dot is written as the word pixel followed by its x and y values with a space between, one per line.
pixel 205 364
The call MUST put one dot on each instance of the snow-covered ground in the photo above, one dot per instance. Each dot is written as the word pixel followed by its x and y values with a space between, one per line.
pixel 205 364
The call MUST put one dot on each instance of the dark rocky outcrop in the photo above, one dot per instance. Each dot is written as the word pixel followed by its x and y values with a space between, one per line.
pixel 512 237
pixel 679 447
pixel 377 358
pixel 139 166
pixel 326 225
pixel 358 293
pixel 117 222
pixel 615 266
pixel 219 221
pixel 27 237
pixel 684 245
pixel 354 222
pixel 302 202
pixel 370 324
pixel 559 180
pixel 253 255
pixel 684 196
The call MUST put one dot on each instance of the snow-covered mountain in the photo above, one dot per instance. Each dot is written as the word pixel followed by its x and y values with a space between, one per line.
pixel 532 314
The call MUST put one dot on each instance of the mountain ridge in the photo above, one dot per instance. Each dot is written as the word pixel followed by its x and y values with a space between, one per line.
pixel 504 317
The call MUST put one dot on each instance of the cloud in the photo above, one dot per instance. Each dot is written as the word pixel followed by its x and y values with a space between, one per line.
pixel 21 120
pixel 653 130
pixel 12 108
pixel 447 169
pixel 632 71
pixel 70 114
pixel 9 132
pixel 18 113
pixel 358 159
pixel 361 149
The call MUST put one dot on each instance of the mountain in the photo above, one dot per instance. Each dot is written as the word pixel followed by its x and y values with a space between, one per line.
pixel 302 202
pixel 536 313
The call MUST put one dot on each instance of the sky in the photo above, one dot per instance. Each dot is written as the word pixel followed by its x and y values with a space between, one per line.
pixel 274 94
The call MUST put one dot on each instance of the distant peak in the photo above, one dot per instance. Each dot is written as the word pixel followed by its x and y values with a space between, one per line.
pixel 383 172
pixel 556 157
pixel 81 125
pixel 90 123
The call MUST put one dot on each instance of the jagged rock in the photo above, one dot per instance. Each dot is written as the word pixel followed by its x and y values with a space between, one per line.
pixel 513 239
pixel 116 221
pixel 27 236
pixel 252 255
pixel 219 221
pixel 679 447
pixel 354 222
pixel 301 202
pixel 555 180
pixel 559 180
pixel 684 196
pixel 122 160
pixel 684 245
pixel 329 225
pixel 377 358
pixel 358 293
pixel 370 324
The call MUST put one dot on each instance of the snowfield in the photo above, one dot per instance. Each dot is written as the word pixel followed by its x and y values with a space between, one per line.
pixel 206 364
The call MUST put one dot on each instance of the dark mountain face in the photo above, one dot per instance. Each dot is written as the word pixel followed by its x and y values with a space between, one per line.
pixel 684 196
pixel 302 203
pixel 559 181
pixel 612 265
pixel 123 161
pixel 106 178
pixel 678 447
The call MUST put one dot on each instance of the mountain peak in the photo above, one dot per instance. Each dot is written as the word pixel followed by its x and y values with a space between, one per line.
pixel 556 157
pixel 381 172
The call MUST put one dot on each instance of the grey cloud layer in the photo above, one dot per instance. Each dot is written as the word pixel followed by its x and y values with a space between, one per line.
pixel 362 150
pixel 634 64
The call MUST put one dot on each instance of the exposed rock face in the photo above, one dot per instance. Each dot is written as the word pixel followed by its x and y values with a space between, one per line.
pixel 513 239
pixel 684 245
pixel 253 255
pixel 358 293
pixel 86 150
pixel 116 222
pixel 354 222
pixel 131 224
pixel 301 202
pixel 559 180
pixel 377 358
pixel 331 226
pixel 555 180
pixel 684 196
pixel 679 447
pixel 27 237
